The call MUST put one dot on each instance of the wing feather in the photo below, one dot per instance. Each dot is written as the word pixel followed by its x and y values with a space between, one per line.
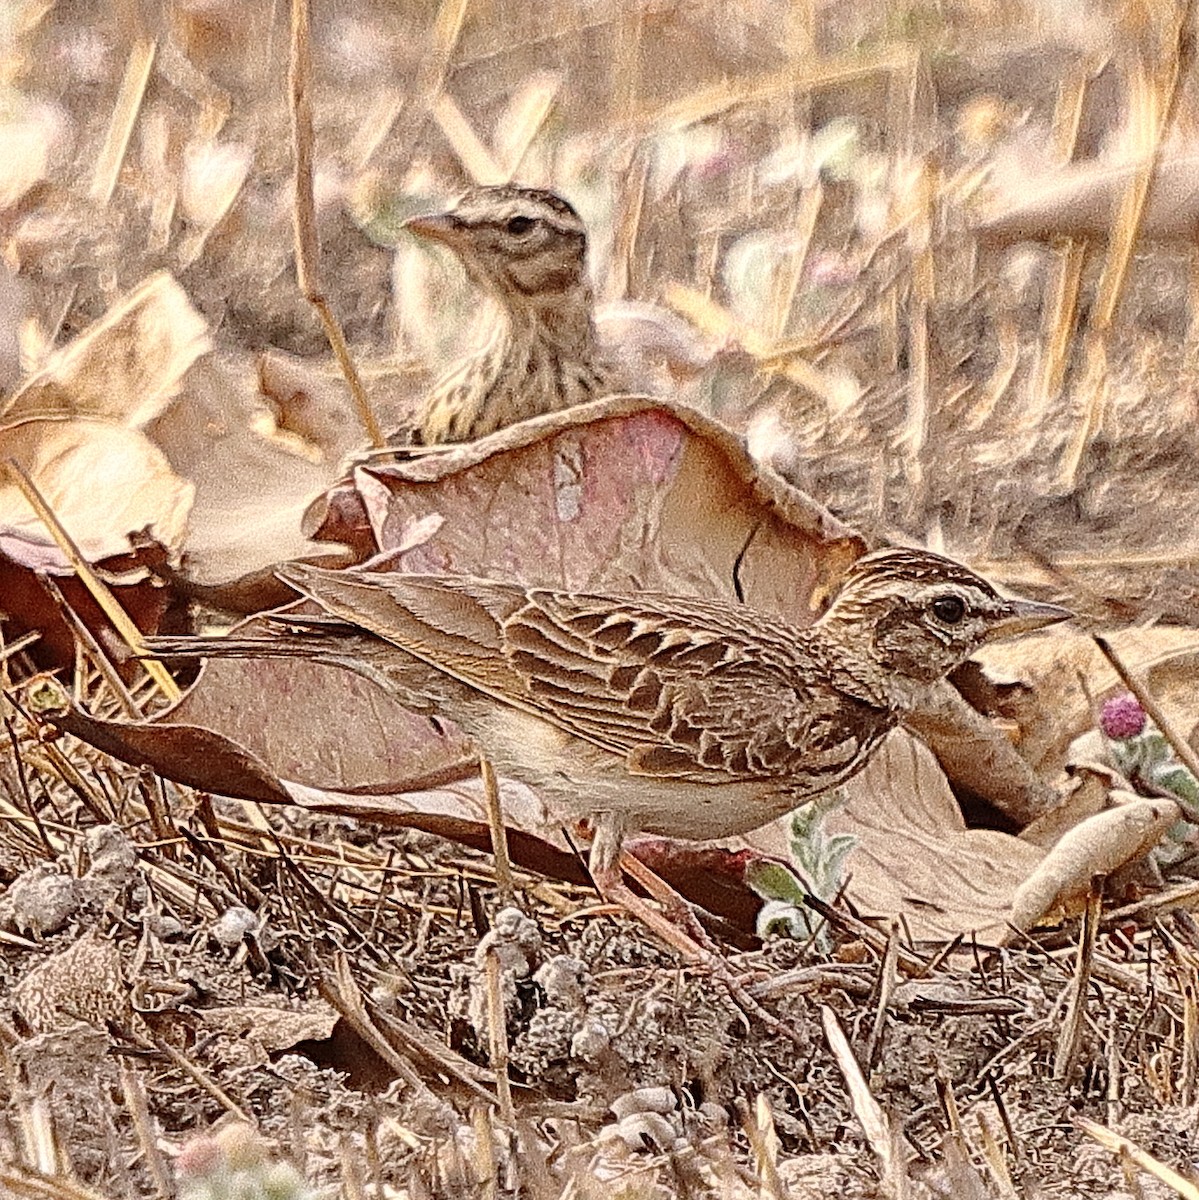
pixel 677 687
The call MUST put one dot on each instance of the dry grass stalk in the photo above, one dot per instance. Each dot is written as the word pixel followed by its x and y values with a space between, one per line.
pixel 1128 1149
pixel 497 1025
pixel 147 1137
pixel 887 978
pixel 876 1126
pixel 308 246
pixel 472 152
pixel 486 1169
pixel 499 834
pixel 996 1163
pixel 1159 98
pixel 201 1080
pixel 1069 253
pixel 124 117
pixel 1069 1041
pixel 764 1142
pixel 20 1184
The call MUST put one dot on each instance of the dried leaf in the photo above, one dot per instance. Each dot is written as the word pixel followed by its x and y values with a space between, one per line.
pixel 1100 845
pixel 914 854
pixel 125 368
pixel 103 481
pixel 1048 683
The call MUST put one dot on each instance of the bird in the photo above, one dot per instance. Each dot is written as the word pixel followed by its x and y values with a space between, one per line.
pixel 527 248
pixel 648 713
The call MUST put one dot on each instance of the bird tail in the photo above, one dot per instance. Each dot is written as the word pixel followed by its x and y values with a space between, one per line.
pixel 290 637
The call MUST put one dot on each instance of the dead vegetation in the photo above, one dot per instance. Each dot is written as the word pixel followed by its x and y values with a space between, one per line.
pixel 933 261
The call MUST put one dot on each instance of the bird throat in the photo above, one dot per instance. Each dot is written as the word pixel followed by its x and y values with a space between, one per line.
pixel 537 360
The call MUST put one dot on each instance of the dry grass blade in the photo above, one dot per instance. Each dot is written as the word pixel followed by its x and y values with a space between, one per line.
pixel 341 991
pixel 499 833
pixel 95 585
pixel 124 117
pixel 307 239
pixel 21 1184
pixel 887 978
pixel 135 1102
pixel 1160 100
pixel 497 1027
pixel 1129 1150
pixel 875 1124
pixel 760 1132
pixel 478 162
pixel 1069 1041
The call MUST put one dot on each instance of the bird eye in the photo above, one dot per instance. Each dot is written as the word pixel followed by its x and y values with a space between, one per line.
pixel 519 226
pixel 949 609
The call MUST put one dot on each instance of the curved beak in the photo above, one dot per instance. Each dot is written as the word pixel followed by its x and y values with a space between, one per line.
pixel 1023 616
pixel 437 227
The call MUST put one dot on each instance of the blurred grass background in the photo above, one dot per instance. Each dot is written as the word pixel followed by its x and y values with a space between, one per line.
pixel 910 247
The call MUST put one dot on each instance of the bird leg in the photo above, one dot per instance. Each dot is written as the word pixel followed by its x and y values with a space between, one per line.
pixel 677 926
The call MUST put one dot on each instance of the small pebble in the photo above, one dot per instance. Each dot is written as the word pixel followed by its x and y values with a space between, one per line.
pixel 231 927
pixel 44 900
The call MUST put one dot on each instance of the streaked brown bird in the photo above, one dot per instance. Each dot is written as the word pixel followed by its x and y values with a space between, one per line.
pixel 654 713
pixel 527 248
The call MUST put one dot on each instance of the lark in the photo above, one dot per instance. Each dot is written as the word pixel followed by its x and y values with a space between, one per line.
pixel 654 713
pixel 527 248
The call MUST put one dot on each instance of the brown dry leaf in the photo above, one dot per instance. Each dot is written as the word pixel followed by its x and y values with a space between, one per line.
pixel 75 428
pixel 1078 200
pixel 84 982
pixel 1098 846
pixel 915 855
pixel 126 368
pixel 270 1029
pixel 1047 682
pixel 103 481
pixel 260 437
pixel 620 493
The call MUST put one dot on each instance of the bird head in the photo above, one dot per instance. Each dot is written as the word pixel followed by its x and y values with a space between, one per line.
pixel 917 615
pixel 526 245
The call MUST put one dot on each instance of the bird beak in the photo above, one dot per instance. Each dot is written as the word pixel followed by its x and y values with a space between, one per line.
pixel 1023 616
pixel 437 227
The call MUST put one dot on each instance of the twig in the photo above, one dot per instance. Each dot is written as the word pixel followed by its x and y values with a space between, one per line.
pixel 759 1131
pixel 308 246
pixel 874 1122
pixel 498 1029
pixel 135 1101
pixel 1128 1149
pixel 124 117
pixel 120 619
pixel 1070 1035
pixel 499 834
pixel 886 985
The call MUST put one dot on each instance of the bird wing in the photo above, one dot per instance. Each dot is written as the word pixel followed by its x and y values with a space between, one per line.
pixel 679 688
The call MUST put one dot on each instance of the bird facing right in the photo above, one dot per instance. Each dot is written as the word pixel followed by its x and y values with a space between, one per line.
pixel 654 713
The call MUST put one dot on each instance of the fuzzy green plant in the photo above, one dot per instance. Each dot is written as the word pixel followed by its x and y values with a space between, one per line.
pixel 818 869
pixel 236 1164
